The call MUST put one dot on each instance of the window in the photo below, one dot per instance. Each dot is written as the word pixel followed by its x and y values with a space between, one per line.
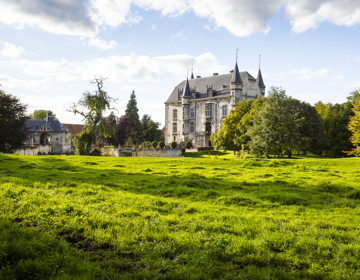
pixel 192 113
pixel 192 127
pixel 208 127
pixel 179 95
pixel 193 95
pixel 208 110
pixel 183 113
pixel 175 114
pixel 174 127
pixel 224 110
pixel 183 128
pixel 209 93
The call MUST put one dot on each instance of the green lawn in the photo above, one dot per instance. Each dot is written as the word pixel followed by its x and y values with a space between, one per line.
pixel 204 216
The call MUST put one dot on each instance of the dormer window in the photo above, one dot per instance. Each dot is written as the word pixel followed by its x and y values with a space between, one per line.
pixel 209 93
pixel 193 95
pixel 179 95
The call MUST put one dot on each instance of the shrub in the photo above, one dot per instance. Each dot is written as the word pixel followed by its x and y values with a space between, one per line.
pixel 154 144
pixel 161 145
pixel 95 152
pixel 148 144
pixel 205 149
pixel 173 144
pixel 188 145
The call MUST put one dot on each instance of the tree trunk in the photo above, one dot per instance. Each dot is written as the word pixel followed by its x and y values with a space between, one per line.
pixel 88 148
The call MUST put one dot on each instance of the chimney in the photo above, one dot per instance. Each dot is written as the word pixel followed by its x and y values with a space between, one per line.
pixel 231 71
pixel 215 74
pixel 198 77
pixel 49 117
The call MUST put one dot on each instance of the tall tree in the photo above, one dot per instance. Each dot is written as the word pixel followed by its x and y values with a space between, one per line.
pixel 132 112
pixel 13 130
pixel 275 125
pixel 150 130
pixel 92 107
pixel 41 115
pixel 354 127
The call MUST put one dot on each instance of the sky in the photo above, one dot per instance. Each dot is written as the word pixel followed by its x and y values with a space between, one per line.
pixel 51 49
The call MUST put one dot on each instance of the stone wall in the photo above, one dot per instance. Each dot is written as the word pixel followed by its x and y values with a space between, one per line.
pixel 114 152
pixel 34 150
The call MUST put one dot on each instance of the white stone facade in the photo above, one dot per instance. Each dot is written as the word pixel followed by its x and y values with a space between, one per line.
pixel 194 113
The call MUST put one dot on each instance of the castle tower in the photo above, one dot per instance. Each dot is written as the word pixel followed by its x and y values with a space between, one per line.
pixel 236 86
pixel 260 83
pixel 185 110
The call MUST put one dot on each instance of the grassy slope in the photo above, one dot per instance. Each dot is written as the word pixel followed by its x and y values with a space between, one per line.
pixel 197 218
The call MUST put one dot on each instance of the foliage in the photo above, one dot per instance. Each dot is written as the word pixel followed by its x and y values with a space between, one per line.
pixel 198 218
pixel 92 107
pixel 13 131
pixel 327 112
pixel 95 152
pixel 311 128
pixel 161 145
pixel 41 115
pixel 339 134
pixel 234 131
pixel 173 144
pixel 188 145
pixel 354 96
pixel 276 125
pixel 154 144
pixel 132 112
pixel 150 129
pixel 79 142
pixel 205 149
pixel 354 127
pixel 129 141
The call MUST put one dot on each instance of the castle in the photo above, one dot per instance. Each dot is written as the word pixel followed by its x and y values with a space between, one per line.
pixel 196 107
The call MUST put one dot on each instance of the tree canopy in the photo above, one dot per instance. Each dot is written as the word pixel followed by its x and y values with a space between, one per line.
pixel 13 130
pixel 150 130
pixel 41 115
pixel 354 127
pixel 92 107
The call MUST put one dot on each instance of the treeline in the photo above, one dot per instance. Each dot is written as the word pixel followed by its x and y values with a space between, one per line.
pixel 281 125
pixel 129 129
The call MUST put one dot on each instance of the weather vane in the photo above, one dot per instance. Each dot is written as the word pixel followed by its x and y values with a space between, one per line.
pixel 237 53
pixel 259 61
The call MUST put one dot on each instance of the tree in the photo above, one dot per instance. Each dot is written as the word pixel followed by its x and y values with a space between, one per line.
pixel 92 106
pixel 311 128
pixel 354 127
pixel 132 112
pixel 354 96
pixel 41 115
pixel 150 129
pixel 275 125
pixel 13 130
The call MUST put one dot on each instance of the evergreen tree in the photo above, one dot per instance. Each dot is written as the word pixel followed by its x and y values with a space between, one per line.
pixel 132 112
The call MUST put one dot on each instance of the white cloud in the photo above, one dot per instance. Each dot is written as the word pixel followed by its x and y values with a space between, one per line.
pixel 179 34
pixel 239 17
pixel 153 27
pixel 9 82
pixel 307 14
pixel 117 69
pixel 10 50
pixel 339 77
pixel 306 74
pixel 102 44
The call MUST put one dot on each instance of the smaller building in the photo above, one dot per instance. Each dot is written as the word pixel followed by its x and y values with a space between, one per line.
pixel 51 133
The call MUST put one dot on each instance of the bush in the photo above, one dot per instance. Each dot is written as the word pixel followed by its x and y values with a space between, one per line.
pixel 205 149
pixel 188 145
pixel 154 144
pixel 95 152
pixel 173 144
pixel 148 144
pixel 161 145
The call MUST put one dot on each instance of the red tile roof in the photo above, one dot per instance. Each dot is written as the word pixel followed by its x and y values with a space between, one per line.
pixel 74 128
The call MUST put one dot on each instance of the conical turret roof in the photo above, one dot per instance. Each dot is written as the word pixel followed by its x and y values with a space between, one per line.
pixel 259 80
pixel 192 75
pixel 187 89
pixel 236 75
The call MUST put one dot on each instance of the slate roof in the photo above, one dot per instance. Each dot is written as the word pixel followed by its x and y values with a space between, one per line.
pixel 260 81
pixel 55 125
pixel 187 89
pixel 236 75
pixel 74 128
pixel 220 84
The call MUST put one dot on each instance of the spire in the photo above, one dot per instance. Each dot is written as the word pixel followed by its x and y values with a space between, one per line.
pixel 187 89
pixel 236 75
pixel 192 74
pixel 259 80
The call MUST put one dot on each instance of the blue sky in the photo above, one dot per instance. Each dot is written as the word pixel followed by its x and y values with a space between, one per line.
pixel 50 49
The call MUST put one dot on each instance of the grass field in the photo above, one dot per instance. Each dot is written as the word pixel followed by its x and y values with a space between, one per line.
pixel 197 217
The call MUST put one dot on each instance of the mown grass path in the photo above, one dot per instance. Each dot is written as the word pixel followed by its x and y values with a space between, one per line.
pixel 186 218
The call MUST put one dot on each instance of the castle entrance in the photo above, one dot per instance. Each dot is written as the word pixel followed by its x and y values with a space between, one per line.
pixel 44 138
